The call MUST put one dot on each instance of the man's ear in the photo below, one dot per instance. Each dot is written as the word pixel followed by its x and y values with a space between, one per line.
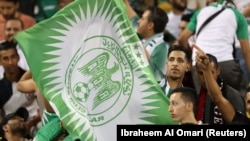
pixel 4 127
pixel 151 25
pixel 188 67
pixel 218 71
pixel 189 106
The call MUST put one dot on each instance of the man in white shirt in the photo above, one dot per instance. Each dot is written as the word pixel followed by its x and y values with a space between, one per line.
pixel 179 7
pixel 218 37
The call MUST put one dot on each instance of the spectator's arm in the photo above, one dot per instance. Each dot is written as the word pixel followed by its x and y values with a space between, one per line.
pixel 183 39
pixel 130 11
pixel 189 30
pixel 26 86
pixel 33 120
pixel 29 86
pixel 26 75
pixel 46 104
pixel 225 107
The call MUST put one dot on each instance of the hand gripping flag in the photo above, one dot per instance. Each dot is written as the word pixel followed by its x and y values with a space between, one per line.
pixel 89 63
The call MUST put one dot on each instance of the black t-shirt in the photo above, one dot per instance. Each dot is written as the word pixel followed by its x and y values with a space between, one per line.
pixel 240 118
pixel 6 89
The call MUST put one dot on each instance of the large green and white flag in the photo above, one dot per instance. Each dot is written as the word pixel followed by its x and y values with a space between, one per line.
pixel 89 63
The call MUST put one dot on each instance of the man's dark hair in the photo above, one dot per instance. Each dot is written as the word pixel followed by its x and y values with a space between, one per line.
pixel 20 112
pixel 188 95
pixel 187 17
pixel 8 45
pixel 213 59
pixel 188 53
pixel 159 17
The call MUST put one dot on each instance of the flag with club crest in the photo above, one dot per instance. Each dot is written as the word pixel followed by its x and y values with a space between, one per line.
pixel 90 64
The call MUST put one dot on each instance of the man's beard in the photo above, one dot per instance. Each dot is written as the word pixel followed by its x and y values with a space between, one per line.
pixel 174 78
pixel 179 7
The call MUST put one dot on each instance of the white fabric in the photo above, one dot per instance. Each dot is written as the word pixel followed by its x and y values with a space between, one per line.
pixel 22 62
pixel 215 38
pixel 156 40
pixel 19 99
pixel 174 22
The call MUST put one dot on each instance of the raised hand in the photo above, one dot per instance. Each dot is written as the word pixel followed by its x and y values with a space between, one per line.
pixel 201 58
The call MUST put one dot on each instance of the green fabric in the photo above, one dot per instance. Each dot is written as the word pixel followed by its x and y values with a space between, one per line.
pixel 193 21
pixel 134 22
pixel 242 30
pixel 49 131
pixel 47 117
pixel 47 8
pixel 158 58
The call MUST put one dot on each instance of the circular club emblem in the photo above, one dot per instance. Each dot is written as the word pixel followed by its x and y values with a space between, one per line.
pixel 99 80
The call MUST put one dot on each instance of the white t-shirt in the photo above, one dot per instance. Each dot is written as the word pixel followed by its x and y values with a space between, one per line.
pixel 19 99
pixel 174 22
